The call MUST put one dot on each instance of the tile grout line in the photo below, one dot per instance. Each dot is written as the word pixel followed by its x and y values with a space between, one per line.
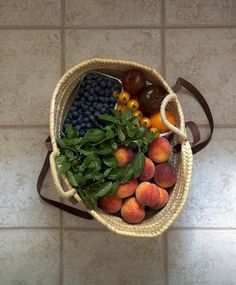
pixel 56 27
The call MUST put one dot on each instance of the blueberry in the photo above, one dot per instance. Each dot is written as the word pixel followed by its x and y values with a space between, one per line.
pixel 95 98
pixel 91 109
pixel 90 98
pixel 97 88
pixel 97 113
pixel 102 83
pixel 95 104
pixel 85 120
pixel 89 125
pixel 101 93
pixel 103 110
pixel 106 99
pixel 117 88
pixel 111 105
pixel 110 83
pixel 89 81
pixel 82 125
pixel 94 75
pixel 105 105
pixel 86 94
pixel 92 118
pixel 82 132
pixel 84 107
pixel 88 76
pixel 78 127
pixel 87 87
pixel 76 104
pixel 94 84
pixel 74 123
pixel 87 113
pixel 99 106
pixel 91 91
pixel 82 83
pixel 101 99
pixel 112 99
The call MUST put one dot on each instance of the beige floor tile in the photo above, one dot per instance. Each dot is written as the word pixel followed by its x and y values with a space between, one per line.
pixel 105 258
pixel 113 13
pixel 22 154
pixel 30 68
pixel 141 45
pixel 29 257
pixel 202 257
pixel 210 12
pixel 212 197
pixel 28 12
pixel 207 59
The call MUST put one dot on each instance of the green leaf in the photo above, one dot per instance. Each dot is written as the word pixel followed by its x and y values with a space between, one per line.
pixel 138 164
pixel 109 118
pixel 62 143
pixel 102 190
pixel 149 137
pixel 110 161
pixel 89 200
pixel 110 134
pixel 114 145
pixel 72 179
pixel 115 174
pixel 71 132
pixel 69 154
pixel 94 135
pixel 126 116
pixel 81 179
pixel 107 171
pixel 87 152
pixel 62 164
pixel 120 134
pixel 127 174
pixel 140 132
pixel 113 190
pixel 105 150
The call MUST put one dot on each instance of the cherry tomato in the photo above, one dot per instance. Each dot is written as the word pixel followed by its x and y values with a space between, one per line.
pixel 124 97
pixel 134 81
pixel 138 114
pixel 133 105
pixel 145 122
pixel 121 108
pixel 115 94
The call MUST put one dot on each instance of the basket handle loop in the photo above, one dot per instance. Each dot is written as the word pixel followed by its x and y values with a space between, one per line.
pixel 56 180
pixel 181 131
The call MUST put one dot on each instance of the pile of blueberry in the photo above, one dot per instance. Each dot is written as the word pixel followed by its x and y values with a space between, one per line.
pixel 94 97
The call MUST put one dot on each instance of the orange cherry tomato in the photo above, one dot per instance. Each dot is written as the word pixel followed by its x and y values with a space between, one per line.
pixel 115 94
pixel 121 108
pixel 138 114
pixel 133 105
pixel 145 122
pixel 124 97
pixel 156 121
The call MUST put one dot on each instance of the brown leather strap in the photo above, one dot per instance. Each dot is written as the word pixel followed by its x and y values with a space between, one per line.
pixel 64 207
pixel 192 126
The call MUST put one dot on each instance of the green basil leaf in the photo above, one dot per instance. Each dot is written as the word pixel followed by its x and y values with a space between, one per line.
pixel 113 190
pixel 110 134
pixel 114 145
pixel 115 174
pixel 104 151
pixel 94 135
pixel 149 137
pixel 62 164
pixel 87 152
pixel 62 143
pixel 102 190
pixel 81 178
pixel 72 179
pixel 110 161
pixel 140 132
pixel 138 164
pixel 89 200
pixel 69 154
pixel 109 118
pixel 71 132
pixel 127 174
pixel 98 176
pixel 120 134
pixel 107 171
pixel 126 116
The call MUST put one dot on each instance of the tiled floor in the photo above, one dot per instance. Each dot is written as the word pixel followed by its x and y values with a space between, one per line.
pixel 39 40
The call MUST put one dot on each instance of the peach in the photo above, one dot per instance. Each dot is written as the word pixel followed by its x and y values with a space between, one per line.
pixel 124 156
pixel 159 150
pixel 147 194
pixel 164 197
pixel 110 204
pixel 165 175
pixel 148 170
pixel 131 211
pixel 127 189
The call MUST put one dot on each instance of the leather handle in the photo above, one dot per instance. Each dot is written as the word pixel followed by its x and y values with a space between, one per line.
pixel 201 100
pixel 59 205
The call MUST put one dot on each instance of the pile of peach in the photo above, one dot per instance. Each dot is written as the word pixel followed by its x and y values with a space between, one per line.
pixel 150 190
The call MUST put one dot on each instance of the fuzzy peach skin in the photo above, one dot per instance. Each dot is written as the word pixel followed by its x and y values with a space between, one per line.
pixel 110 205
pixel 148 170
pixel 147 194
pixel 159 150
pixel 165 175
pixel 131 211
pixel 164 198
pixel 124 156
pixel 127 189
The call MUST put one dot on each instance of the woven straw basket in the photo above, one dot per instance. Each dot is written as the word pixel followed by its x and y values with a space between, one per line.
pixel 155 222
